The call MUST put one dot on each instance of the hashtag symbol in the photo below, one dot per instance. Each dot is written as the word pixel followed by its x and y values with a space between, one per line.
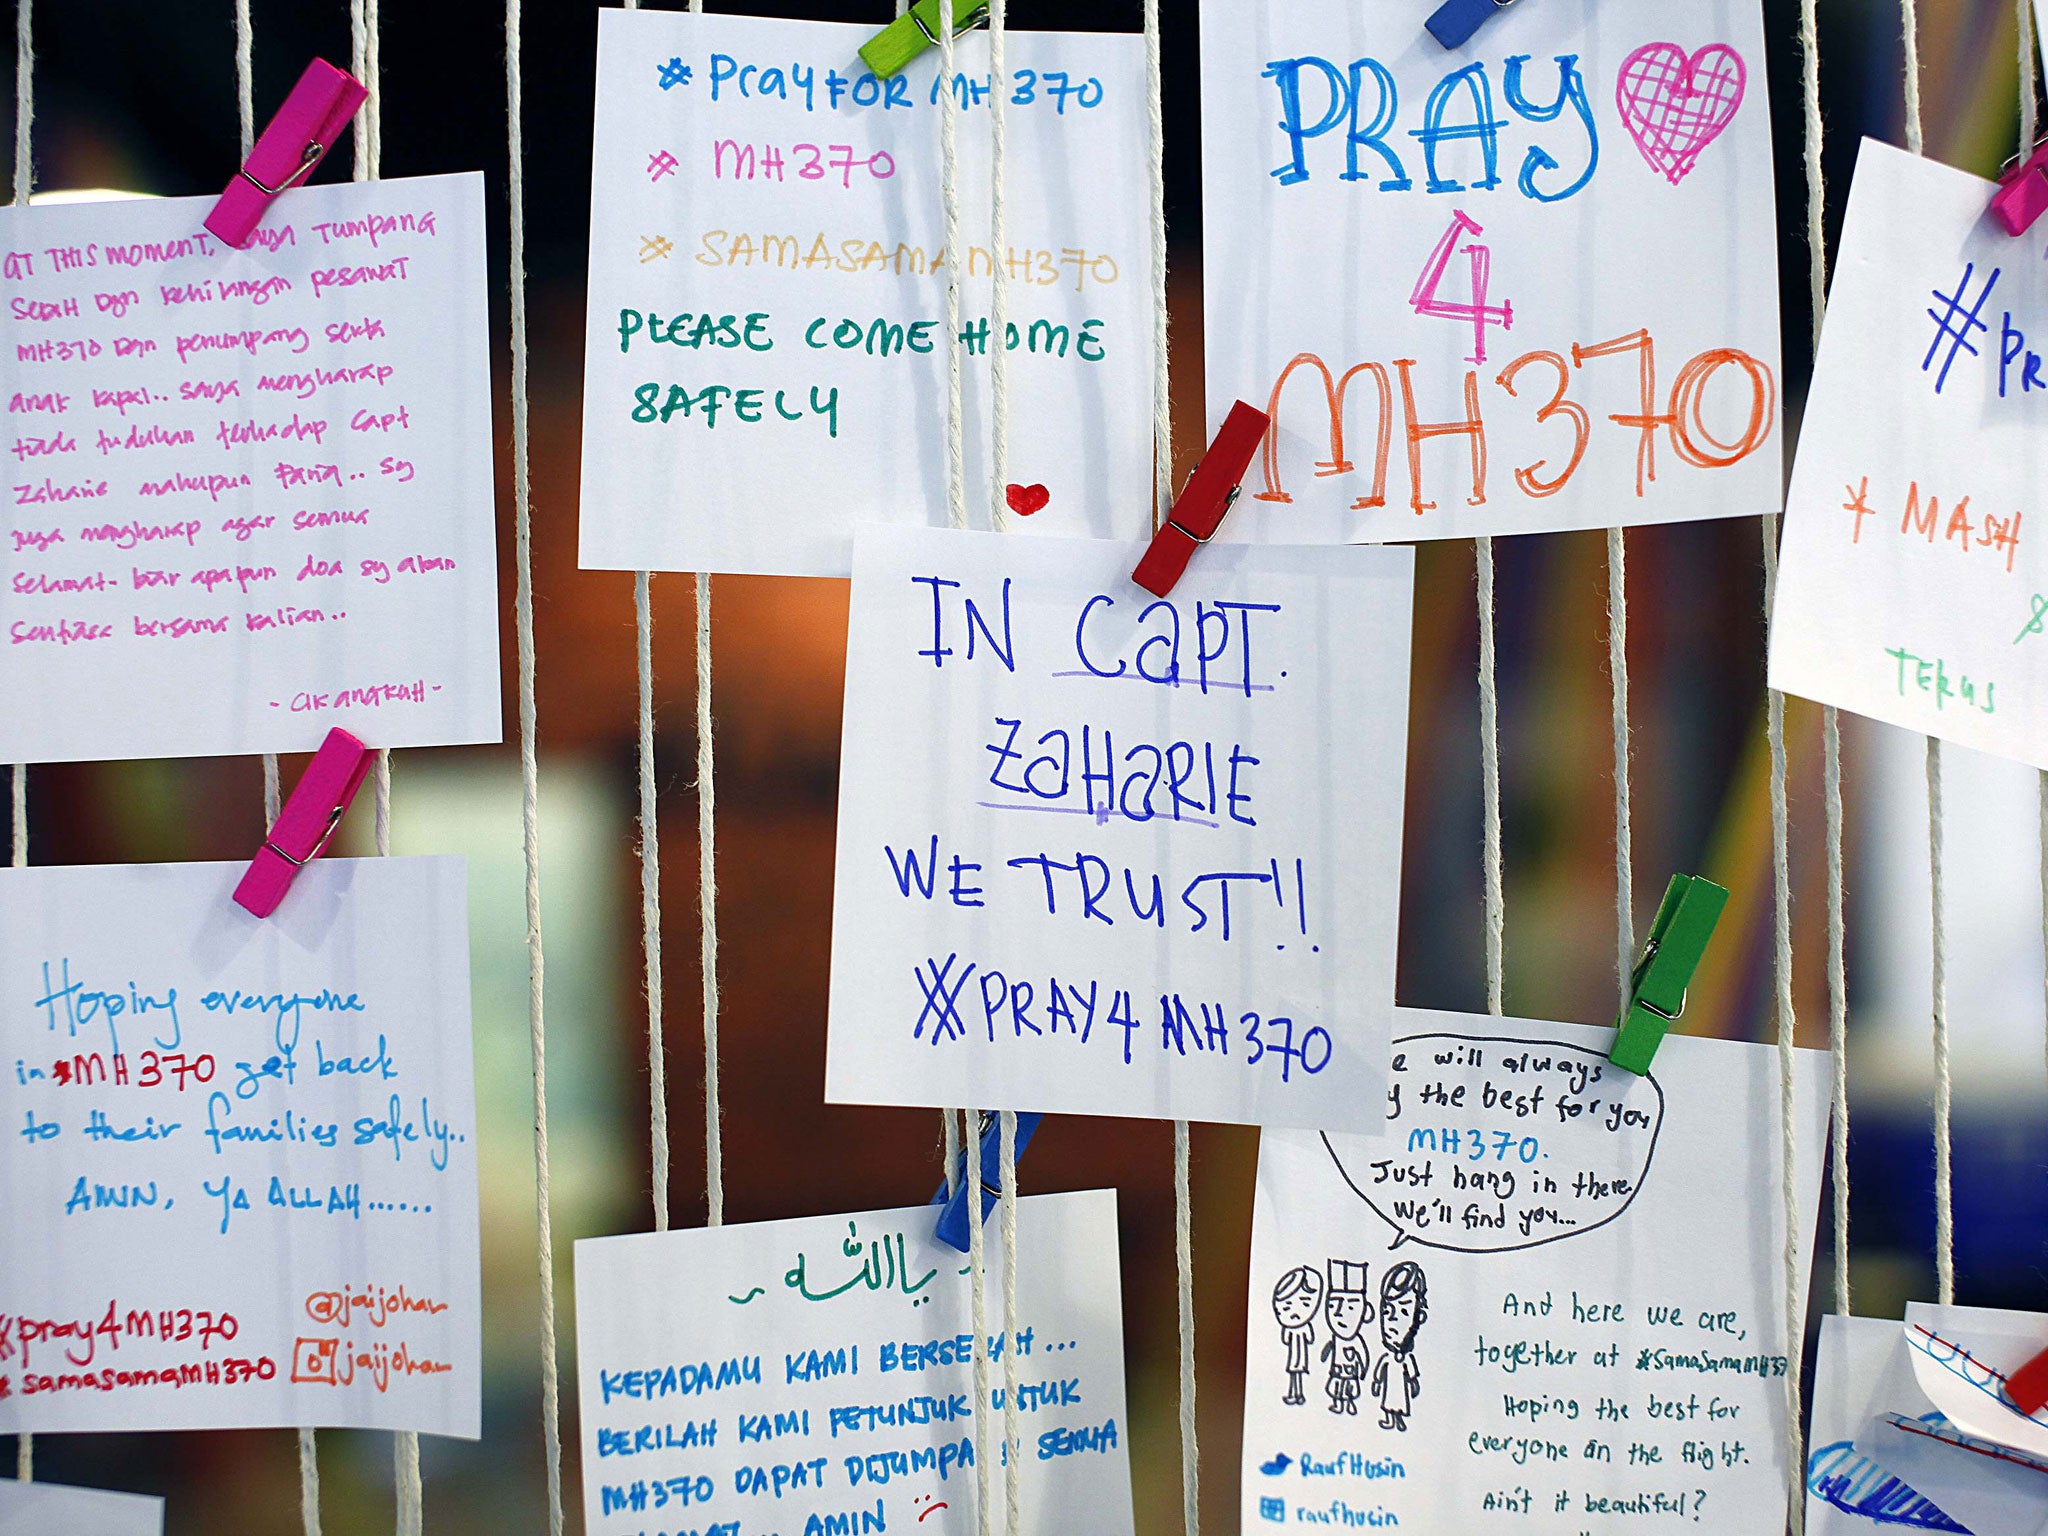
pixel 655 248
pixel 674 73
pixel 1945 326
pixel 661 164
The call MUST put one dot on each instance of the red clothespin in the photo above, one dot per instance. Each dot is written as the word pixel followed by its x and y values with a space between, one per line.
pixel 1203 500
pixel 286 152
pixel 2023 194
pixel 2028 1386
pixel 318 802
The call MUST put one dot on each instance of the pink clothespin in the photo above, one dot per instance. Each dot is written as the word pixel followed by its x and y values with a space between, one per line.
pixel 2023 194
pixel 318 802
pixel 286 152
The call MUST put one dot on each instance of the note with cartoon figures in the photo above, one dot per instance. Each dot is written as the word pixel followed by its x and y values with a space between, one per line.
pixel 1549 1299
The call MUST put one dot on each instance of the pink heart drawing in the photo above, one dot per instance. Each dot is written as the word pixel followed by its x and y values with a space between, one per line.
pixel 1675 106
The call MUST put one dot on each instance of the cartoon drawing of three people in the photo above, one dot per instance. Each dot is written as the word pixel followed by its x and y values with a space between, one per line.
pixel 1345 1302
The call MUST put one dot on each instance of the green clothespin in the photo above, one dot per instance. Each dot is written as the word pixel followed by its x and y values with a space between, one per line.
pixel 916 30
pixel 1678 938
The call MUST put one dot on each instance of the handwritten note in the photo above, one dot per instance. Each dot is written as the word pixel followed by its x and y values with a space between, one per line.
pixel 42 1509
pixel 1105 854
pixel 241 1169
pixel 1911 586
pixel 1550 1299
pixel 251 491
pixel 768 349
pixel 817 1375
pixel 1526 286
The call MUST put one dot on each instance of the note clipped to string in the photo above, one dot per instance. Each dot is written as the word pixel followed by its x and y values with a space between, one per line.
pixel 251 497
pixel 1913 582
pixel 47 1509
pixel 767 349
pixel 1524 286
pixel 817 1375
pixel 1103 854
pixel 241 1172
pixel 1563 1280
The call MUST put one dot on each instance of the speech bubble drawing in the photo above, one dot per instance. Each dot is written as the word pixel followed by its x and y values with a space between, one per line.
pixel 1495 1144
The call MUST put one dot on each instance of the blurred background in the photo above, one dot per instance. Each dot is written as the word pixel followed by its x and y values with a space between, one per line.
pixel 138 95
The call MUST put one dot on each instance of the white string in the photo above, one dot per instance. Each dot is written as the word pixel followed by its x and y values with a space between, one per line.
pixel 949 201
pixel 24 173
pixel 1838 995
pixel 650 904
pixel 999 287
pixel 1830 718
pixel 24 119
pixel 1162 392
pixel 1781 882
pixel 977 1260
pixel 1944 1190
pixel 1489 784
pixel 1944 1171
pixel 1184 1274
pixel 1617 671
pixel 309 1482
pixel 707 906
pixel 650 901
pixel 1013 1437
pixel 1909 32
pixel 1162 499
pixel 364 62
pixel 2029 117
pixel 245 75
pixel 999 478
pixel 522 502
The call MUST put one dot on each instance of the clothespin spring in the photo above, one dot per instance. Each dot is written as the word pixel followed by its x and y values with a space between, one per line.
pixel 308 158
pixel 962 24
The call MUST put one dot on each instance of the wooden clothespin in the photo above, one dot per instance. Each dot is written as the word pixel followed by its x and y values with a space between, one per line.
pixel 952 1225
pixel 1454 22
pixel 285 154
pixel 306 824
pixel 1198 511
pixel 1678 938
pixel 916 30
pixel 2023 194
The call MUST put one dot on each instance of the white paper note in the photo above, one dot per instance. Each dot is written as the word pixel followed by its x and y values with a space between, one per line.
pixel 1911 579
pixel 50 1509
pixel 1551 1300
pixel 815 1375
pixel 767 347
pixel 251 496
pixel 1525 286
pixel 241 1168
pixel 1105 854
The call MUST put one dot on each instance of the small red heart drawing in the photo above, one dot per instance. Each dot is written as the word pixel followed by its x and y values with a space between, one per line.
pixel 1026 499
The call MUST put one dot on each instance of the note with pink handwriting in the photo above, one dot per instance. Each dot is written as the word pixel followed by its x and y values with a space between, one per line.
pixel 240 1165
pixel 249 493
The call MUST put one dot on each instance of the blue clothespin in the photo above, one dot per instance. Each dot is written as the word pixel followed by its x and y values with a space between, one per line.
pixel 1455 21
pixel 952 1227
